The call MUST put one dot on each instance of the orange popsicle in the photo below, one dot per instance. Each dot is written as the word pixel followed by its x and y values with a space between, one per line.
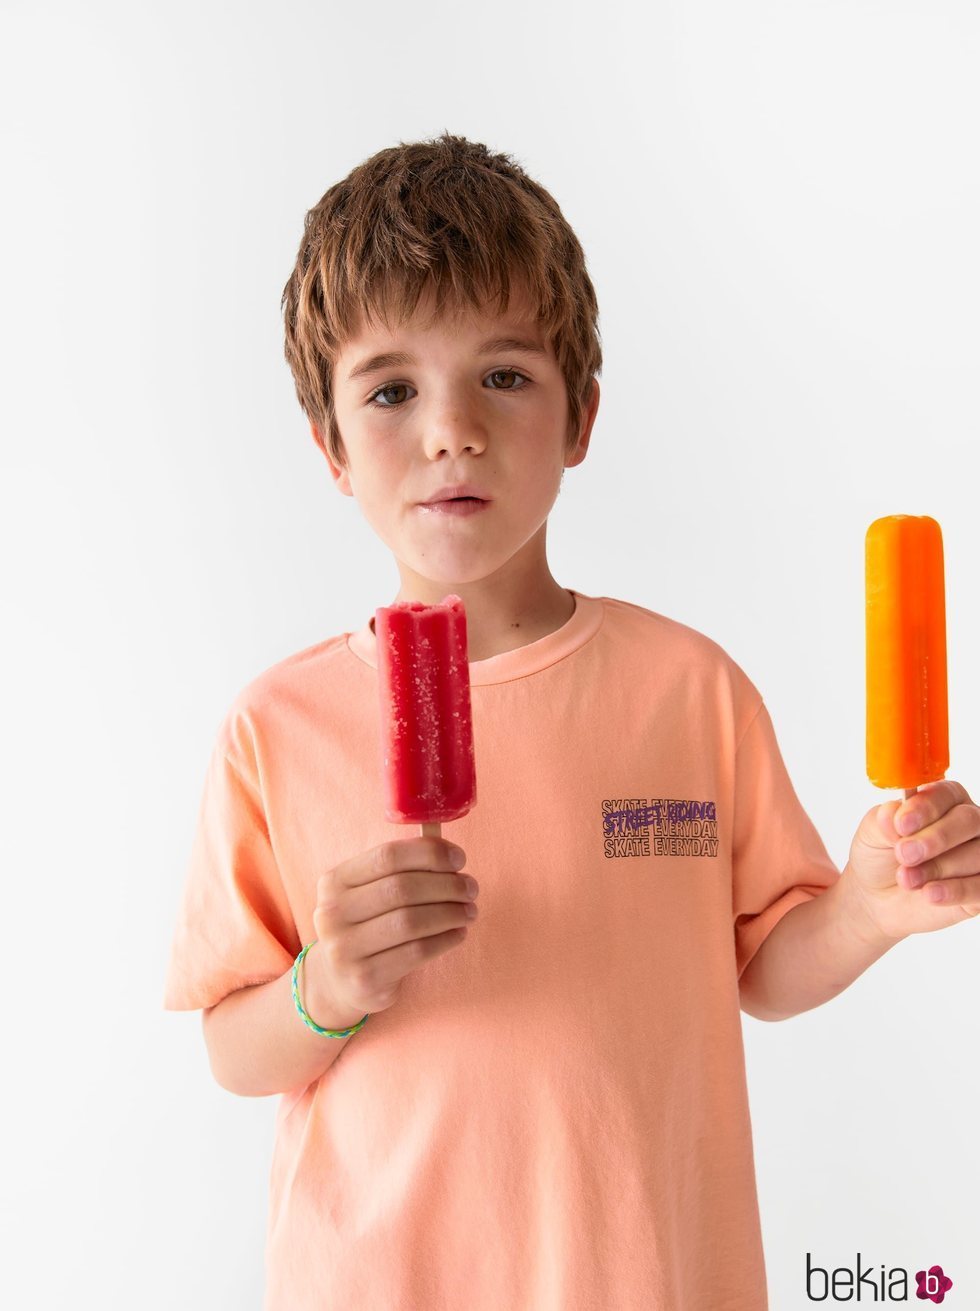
pixel 905 595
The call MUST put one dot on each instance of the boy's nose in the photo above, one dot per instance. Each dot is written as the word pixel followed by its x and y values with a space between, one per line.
pixel 455 435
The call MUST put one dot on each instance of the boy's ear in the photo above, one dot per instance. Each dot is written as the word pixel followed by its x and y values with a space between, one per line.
pixel 337 472
pixel 577 454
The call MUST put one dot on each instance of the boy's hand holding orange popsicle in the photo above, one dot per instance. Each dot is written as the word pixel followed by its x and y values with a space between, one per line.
pixel 931 879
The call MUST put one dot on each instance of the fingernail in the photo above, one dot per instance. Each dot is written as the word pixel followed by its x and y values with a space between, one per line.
pixel 911 852
pixel 457 858
pixel 909 822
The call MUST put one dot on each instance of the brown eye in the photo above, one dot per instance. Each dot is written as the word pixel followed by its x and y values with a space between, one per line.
pixel 510 373
pixel 391 386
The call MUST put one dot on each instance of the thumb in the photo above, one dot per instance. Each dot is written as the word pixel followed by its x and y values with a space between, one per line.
pixel 885 817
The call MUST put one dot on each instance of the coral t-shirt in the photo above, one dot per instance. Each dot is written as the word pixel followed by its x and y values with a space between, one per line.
pixel 553 1116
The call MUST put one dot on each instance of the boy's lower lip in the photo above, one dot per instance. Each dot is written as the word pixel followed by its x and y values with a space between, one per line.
pixel 454 507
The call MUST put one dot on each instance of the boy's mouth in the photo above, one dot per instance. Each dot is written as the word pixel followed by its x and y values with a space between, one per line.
pixel 456 492
pixel 455 505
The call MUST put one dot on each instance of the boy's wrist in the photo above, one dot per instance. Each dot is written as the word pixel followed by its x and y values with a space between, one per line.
pixel 316 997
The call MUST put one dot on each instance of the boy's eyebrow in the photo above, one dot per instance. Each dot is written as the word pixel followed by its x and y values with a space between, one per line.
pixel 491 347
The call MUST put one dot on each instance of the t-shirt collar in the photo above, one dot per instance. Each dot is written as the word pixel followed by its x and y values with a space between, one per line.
pixel 523 660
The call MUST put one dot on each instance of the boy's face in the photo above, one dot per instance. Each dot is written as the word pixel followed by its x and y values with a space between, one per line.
pixel 496 419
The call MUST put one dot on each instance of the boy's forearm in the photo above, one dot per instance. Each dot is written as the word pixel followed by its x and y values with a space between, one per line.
pixel 257 1043
pixel 815 951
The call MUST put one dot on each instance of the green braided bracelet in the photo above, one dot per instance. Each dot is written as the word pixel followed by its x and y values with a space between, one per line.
pixel 312 1024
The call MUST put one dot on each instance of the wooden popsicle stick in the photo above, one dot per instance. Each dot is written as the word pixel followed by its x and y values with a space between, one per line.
pixel 432 830
pixel 910 792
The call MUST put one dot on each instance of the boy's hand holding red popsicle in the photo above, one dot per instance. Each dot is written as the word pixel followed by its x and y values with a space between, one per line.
pixel 378 916
pixel 389 910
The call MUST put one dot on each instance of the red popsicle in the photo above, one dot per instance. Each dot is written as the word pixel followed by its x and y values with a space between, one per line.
pixel 426 720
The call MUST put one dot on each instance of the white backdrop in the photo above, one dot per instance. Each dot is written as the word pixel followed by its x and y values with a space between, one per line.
pixel 779 204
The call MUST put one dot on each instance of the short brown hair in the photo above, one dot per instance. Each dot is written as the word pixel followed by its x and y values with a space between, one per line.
pixel 448 213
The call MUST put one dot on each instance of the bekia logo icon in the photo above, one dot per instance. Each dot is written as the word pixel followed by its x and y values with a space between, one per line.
pixel 845 1285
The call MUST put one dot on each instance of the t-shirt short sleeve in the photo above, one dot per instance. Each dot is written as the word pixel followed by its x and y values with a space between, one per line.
pixel 234 925
pixel 778 857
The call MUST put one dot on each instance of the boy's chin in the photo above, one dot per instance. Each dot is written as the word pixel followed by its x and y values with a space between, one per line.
pixel 451 571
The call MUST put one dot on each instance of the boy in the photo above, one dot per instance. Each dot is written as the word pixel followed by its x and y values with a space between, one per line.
pixel 545 1111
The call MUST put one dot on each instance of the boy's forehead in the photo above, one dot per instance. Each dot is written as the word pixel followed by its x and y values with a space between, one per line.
pixel 518 322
